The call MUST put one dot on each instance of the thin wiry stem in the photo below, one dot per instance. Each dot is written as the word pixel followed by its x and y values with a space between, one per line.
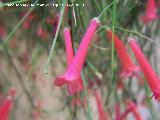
pixel 113 27
pixel 55 39
pixel 99 47
pixel 139 34
pixel 86 95
pixel 104 10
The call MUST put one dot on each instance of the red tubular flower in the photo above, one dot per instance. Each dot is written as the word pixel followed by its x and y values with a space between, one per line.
pixel 147 70
pixel 150 13
pixel 131 107
pixel 73 71
pixel 68 44
pixel 76 85
pixel 127 66
pixel 5 107
pixel 101 113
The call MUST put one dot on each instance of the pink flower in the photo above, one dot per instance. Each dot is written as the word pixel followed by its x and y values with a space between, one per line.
pixel 6 106
pixel 150 13
pixel 74 86
pixel 147 70
pixel 127 66
pixel 72 73
pixel 68 44
pixel 101 113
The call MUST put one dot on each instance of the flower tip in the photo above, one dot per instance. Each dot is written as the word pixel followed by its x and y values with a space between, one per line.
pixel 96 19
pixel 66 29
pixel 131 40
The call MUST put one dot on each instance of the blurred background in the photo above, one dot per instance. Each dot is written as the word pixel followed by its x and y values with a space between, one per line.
pixel 28 30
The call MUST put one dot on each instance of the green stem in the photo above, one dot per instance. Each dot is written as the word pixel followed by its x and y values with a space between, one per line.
pixel 55 39
pixel 104 10
pixel 113 27
pixel 86 95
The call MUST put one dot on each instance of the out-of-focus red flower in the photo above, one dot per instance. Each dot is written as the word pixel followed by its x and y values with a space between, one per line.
pixel 25 24
pixel 42 33
pixel 158 4
pixel 55 25
pixel 151 77
pixel 6 106
pixel 49 20
pixel 36 114
pixel 117 112
pixel 101 113
pixel 31 16
pixel 119 84
pixel 2 31
pixel 73 71
pixel 75 102
pixel 150 12
pixel 91 83
pixel 127 66
pixel 131 107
